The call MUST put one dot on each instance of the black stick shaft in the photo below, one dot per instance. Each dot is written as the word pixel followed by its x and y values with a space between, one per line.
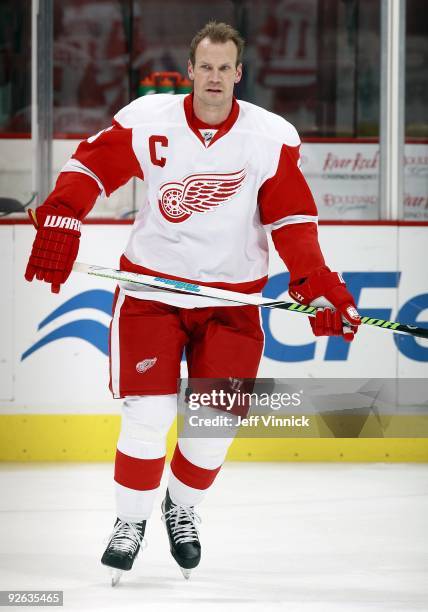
pixel 420 332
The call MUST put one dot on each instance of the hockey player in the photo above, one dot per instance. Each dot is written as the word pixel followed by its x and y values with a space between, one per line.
pixel 220 173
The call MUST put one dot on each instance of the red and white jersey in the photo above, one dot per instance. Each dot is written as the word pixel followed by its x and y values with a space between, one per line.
pixel 212 193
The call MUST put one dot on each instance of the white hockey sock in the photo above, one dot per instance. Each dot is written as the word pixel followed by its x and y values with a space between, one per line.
pixel 141 452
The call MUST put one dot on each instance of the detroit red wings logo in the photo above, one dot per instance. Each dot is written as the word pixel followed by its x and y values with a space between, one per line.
pixel 198 193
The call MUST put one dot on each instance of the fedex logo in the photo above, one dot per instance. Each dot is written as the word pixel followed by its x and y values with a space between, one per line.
pixel 337 349
pixel 95 332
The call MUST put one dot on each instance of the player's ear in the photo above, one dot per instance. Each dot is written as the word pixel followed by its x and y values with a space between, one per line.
pixel 238 75
pixel 190 70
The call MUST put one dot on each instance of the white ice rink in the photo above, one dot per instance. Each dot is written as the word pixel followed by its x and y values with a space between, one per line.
pixel 275 537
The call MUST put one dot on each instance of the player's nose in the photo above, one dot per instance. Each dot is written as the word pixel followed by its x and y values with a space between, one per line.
pixel 215 76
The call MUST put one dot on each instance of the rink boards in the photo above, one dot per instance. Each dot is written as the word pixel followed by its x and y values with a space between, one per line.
pixel 54 401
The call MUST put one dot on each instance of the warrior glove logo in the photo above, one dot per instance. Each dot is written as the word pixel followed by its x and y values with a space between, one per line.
pixel 63 222
pixel 198 193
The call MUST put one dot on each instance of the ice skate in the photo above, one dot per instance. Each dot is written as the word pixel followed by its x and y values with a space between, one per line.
pixel 180 523
pixel 122 549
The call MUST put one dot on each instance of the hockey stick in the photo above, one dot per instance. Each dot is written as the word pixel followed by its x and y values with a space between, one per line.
pixel 166 284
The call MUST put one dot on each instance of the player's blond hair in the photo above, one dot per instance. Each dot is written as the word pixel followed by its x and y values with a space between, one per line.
pixel 217 32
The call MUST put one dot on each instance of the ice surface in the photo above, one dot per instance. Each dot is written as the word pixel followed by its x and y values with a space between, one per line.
pixel 293 537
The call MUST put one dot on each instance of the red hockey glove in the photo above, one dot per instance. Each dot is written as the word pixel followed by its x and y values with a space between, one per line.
pixel 327 291
pixel 55 246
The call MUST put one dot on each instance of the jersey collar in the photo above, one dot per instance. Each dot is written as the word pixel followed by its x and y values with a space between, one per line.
pixel 196 124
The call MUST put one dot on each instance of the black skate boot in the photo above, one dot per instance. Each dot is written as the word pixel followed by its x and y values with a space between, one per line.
pixel 123 547
pixel 180 523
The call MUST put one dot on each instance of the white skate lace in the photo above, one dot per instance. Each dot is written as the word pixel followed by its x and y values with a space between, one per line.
pixel 126 537
pixel 182 521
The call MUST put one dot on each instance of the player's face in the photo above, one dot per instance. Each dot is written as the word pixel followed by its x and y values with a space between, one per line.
pixel 215 72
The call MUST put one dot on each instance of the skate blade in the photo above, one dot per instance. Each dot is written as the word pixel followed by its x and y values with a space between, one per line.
pixel 116 575
pixel 186 572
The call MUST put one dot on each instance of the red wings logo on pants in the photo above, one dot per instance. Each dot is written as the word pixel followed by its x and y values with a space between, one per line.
pixel 198 193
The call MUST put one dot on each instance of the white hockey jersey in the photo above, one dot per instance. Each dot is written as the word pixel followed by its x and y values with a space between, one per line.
pixel 212 193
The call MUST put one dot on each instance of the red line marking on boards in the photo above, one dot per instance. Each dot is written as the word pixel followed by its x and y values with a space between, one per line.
pixel 363 222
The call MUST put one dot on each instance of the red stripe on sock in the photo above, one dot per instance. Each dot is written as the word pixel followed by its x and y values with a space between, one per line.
pixel 190 474
pixel 138 474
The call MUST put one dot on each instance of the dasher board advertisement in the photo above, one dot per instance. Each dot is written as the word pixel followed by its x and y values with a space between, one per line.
pixel 54 350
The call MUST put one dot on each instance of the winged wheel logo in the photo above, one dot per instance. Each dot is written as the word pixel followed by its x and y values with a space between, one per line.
pixel 198 193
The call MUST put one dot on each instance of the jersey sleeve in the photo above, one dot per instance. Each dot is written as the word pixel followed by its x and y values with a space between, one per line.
pixel 100 165
pixel 287 205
